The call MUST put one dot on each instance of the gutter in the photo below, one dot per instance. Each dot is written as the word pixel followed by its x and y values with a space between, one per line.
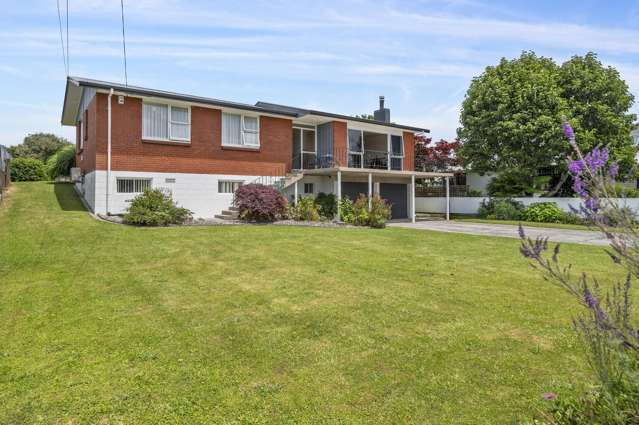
pixel 108 181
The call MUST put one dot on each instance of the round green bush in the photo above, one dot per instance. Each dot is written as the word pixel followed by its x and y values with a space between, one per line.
pixel 500 209
pixel 27 170
pixel 543 212
pixel 155 207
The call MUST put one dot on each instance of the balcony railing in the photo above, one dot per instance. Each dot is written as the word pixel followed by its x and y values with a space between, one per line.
pixel 369 159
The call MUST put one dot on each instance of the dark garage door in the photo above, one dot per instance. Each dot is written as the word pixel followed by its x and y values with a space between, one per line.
pixel 353 189
pixel 397 195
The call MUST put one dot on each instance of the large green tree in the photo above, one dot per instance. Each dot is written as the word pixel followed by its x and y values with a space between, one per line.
pixel 512 114
pixel 39 146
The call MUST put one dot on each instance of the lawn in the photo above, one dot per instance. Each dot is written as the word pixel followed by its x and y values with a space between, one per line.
pixel 109 324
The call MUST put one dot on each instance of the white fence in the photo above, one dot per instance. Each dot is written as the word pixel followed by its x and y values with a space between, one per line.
pixel 470 205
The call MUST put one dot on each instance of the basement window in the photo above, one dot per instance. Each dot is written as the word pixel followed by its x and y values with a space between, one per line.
pixel 165 122
pixel 228 186
pixel 132 185
pixel 308 188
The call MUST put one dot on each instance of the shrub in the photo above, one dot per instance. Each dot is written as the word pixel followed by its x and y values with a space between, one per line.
pixel 500 209
pixel 61 162
pixel 572 218
pixel 326 204
pixel 304 210
pixel 260 203
pixel 380 213
pixel 474 193
pixel 513 182
pixel 360 210
pixel 543 212
pixel 620 191
pixel 27 170
pixel 155 207
pixel 347 211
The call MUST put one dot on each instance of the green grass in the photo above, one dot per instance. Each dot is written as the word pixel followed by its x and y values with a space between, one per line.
pixel 270 324
pixel 524 223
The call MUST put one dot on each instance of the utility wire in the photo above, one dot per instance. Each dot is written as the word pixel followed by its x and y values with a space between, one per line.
pixel 68 61
pixel 126 78
pixel 64 56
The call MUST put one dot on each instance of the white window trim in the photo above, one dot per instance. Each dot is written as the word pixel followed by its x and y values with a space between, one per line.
pixel 117 179
pixel 81 134
pixel 168 123
pixel 243 130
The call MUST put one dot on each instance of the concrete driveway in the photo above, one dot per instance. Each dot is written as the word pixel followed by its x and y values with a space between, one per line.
pixel 508 231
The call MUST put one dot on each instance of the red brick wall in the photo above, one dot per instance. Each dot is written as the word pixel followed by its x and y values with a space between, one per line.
pixel 204 155
pixel 88 153
pixel 409 151
pixel 340 143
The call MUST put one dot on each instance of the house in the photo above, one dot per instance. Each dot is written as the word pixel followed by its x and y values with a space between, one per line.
pixel 5 170
pixel 201 149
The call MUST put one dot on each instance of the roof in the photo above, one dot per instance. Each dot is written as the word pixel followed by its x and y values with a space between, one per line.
pixel 303 112
pixel 75 86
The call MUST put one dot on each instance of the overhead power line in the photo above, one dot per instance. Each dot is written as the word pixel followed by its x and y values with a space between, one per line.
pixel 68 59
pixel 126 78
pixel 64 56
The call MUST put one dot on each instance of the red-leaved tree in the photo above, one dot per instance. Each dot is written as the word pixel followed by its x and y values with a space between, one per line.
pixel 440 156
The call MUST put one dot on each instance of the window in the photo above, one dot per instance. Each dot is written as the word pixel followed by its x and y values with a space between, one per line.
pixel 240 130
pixel 166 122
pixel 355 148
pixel 397 152
pixel 81 123
pixel 228 186
pixel 132 185
pixel 308 188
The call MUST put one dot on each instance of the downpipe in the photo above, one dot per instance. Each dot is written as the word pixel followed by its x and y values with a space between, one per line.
pixel 108 181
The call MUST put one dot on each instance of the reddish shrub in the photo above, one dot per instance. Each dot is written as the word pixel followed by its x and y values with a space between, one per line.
pixel 257 202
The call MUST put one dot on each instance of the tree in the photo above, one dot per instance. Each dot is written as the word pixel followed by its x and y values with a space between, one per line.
pixel 440 156
pixel 599 101
pixel 512 114
pixel 39 146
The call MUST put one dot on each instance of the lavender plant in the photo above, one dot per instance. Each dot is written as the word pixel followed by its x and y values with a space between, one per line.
pixel 606 325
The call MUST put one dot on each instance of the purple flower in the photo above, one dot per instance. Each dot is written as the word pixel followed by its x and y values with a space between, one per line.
pixel 579 188
pixel 613 170
pixel 568 131
pixel 590 299
pixel 592 204
pixel 549 396
pixel 597 158
pixel 575 167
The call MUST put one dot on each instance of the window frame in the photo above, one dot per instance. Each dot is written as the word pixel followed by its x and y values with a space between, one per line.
pixel 81 122
pixel 133 179
pixel 243 130
pixel 169 121
pixel 232 182
pixel 312 186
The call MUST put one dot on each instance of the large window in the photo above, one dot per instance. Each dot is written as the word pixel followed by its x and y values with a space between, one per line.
pixel 355 148
pixel 165 122
pixel 132 185
pixel 397 152
pixel 240 130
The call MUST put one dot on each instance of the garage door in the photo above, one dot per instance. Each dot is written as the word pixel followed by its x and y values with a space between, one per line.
pixel 397 195
pixel 353 189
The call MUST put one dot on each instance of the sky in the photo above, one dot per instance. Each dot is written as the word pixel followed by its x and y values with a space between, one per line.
pixel 337 56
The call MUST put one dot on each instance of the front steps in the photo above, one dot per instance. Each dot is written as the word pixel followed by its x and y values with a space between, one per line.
pixel 429 217
pixel 231 214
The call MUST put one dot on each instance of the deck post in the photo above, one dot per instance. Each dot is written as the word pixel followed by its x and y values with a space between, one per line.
pixel 447 200
pixel 296 192
pixel 412 205
pixel 339 192
pixel 370 191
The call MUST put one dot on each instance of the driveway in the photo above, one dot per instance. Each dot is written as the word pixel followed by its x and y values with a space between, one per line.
pixel 508 231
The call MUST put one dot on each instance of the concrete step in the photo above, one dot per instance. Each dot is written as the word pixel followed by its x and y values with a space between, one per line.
pixel 429 217
pixel 228 215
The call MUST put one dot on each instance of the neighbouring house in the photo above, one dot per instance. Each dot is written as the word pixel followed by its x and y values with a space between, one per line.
pixel 5 170
pixel 201 149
